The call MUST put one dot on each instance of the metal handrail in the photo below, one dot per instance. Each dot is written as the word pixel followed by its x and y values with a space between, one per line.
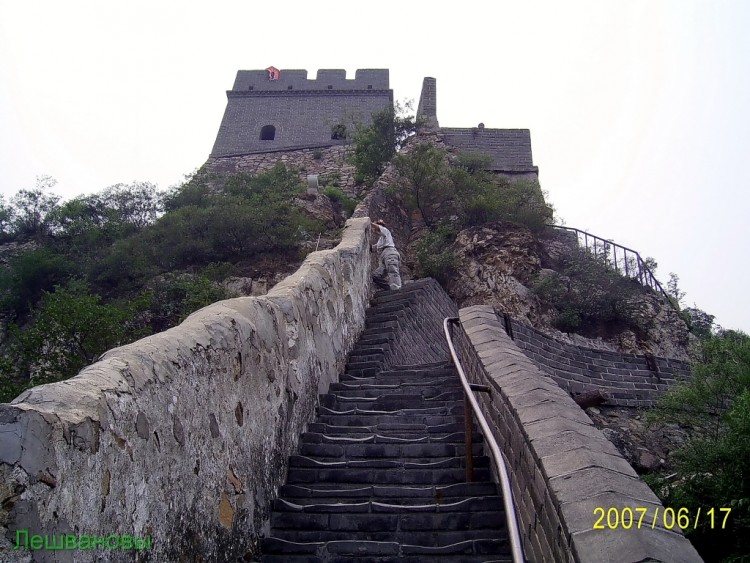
pixel 644 275
pixel 508 503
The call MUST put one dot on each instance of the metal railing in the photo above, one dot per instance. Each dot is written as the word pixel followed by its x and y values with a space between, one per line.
pixel 471 405
pixel 630 263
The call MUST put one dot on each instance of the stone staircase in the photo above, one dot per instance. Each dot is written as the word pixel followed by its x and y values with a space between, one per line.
pixel 380 475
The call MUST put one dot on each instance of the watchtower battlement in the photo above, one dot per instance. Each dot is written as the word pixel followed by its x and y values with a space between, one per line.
pixel 271 110
pixel 327 80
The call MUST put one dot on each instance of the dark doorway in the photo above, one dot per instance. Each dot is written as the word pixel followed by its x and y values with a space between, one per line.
pixel 268 133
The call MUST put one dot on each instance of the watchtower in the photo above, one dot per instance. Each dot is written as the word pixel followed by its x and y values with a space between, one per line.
pixel 272 110
pixel 509 149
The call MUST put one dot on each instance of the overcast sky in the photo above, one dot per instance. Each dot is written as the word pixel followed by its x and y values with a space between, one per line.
pixel 637 109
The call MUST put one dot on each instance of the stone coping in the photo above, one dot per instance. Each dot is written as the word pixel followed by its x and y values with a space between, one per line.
pixel 562 467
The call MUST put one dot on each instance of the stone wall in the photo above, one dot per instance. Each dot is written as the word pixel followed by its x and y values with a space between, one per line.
pixel 301 111
pixel 627 380
pixel 562 468
pixel 510 149
pixel 413 317
pixel 185 435
pixel 327 162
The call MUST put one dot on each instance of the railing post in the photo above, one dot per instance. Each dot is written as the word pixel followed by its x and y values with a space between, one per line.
pixel 468 441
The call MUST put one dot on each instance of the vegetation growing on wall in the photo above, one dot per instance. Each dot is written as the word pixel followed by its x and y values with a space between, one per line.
pixel 105 269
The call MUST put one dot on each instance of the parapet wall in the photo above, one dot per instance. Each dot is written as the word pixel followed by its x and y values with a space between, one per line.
pixel 627 380
pixel 510 149
pixel 184 436
pixel 563 470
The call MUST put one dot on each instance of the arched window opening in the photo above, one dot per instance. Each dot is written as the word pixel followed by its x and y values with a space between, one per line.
pixel 268 133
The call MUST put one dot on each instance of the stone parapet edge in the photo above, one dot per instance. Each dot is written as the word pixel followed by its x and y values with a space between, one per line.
pixel 199 419
pixel 562 467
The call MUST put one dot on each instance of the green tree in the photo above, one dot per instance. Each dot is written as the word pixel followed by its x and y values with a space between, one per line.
pixel 374 145
pixel 32 207
pixel 424 181
pixel 28 275
pixel 713 466
pixel 435 256
pixel 700 323
pixel 6 220
pixel 69 330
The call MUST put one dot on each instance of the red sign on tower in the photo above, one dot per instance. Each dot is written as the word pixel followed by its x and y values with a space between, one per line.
pixel 273 73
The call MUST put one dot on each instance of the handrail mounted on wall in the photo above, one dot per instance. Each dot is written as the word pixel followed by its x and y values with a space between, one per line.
pixel 471 405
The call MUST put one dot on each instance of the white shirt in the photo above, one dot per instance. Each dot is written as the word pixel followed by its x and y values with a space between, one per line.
pixel 386 239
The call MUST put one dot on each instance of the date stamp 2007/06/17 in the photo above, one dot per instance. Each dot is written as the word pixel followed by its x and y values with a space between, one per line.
pixel 636 518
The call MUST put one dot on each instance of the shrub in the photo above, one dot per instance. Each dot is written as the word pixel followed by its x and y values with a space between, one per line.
pixel 587 292
pixel 374 145
pixel 435 257
pixel 338 131
pixel 170 299
pixel 27 276
pixel 69 330
pixel 424 181
pixel 336 195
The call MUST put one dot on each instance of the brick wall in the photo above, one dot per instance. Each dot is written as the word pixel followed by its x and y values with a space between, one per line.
pixel 417 320
pixel 303 111
pixel 324 161
pixel 510 149
pixel 626 379
pixel 562 468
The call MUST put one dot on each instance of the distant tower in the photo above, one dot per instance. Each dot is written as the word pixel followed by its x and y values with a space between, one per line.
pixel 271 110
pixel 427 109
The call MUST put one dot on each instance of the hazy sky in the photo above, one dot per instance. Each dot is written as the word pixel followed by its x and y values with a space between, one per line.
pixel 637 109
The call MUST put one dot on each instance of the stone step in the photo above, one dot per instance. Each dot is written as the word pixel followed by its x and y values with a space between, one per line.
pixel 406 463
pixel 390 402
pixel 369 349
pixel 350 381
pixel 394 306
pixel 388 493
pixel 367 356
pixel 374 340
pixel 363 506
pixel 407 474
pixel 373 385
pixel 405 521
pixel 410 537
pixel 368 418
pixel 403 371
pixel 391 324
pixel 386 428
pixel 333 451
pixel 368 410
pixel 376 317
pixel 387 438
pixel 468 551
